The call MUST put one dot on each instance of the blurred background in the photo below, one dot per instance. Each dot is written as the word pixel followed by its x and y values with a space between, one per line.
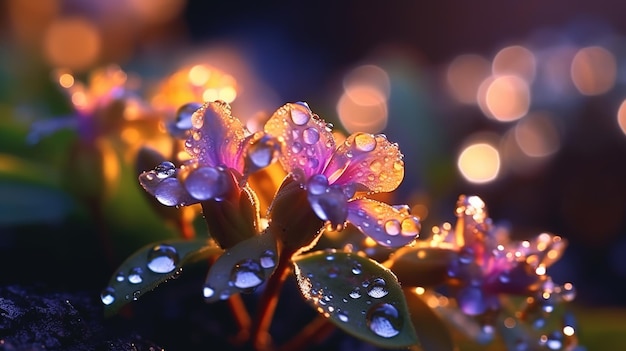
pixel 521 103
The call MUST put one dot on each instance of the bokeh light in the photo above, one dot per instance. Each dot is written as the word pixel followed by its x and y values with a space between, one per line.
pixel 504 98
pixel 73 43
pixel 479 162
pixel 594 70
pixel 621 116
pixel 537 136
pixel 363 105
pixel 464 76
pixel 515 60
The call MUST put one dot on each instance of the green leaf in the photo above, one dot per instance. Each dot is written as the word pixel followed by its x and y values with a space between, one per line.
pixel 358 294
pixel 242 268
pixel 432 332
pixel 150 266
pixel 421 266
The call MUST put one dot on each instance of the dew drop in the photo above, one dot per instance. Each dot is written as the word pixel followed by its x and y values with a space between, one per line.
pixel 262 152
pixel 108 295
pixel 376 166
pixel 247 274
pixel 410 226
pixel 300 114
pixel 120 277
pixel 392 227
pixel 357 269
pixel 184 113
pixel 208 292
pixel 310 136
pixel 268 259
pixel 384 320
pixel 342 317
pixel 317 185
pixel 162 259
pixel 165 169
pixel 333 272
pixel 207 183
pixel 365 142
pixel 355 293
pixel 296 147
pixel 377 288
pixel 134 276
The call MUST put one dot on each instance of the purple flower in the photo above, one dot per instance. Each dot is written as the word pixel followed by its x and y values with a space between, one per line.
pixel 336 178
pixel 488 263
pixel 223 153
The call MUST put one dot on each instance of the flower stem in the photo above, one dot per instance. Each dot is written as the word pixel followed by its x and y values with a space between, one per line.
pixel 269 300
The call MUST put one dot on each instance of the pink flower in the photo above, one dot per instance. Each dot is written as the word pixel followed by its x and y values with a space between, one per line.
pixel 223 154
pixel 336 178
pixel 489 263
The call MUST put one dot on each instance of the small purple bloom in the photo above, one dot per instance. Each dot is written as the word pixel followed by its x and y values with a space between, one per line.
pixel 223 153
pixel 336 177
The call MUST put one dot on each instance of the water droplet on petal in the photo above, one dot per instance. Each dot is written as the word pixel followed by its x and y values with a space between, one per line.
pixel 365 142
pixel 165 169
pixel 384 320
pixel 261 153
pixel 300 114
pixel 392 227
pixel 355 293
pixel 410 226
pixel 310 136
pixel 317 185
pixel 108 295
pixel 134 276
pixel 247 274
pixel 296 147
pixel 162 259
pixel 208 292
pixel 377 288
pixel 268 259
pixel 207 183
pixel 184 113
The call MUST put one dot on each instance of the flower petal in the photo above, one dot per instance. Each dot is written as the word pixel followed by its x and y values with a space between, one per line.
pixel 388 225
pixel 306 141
pixel 216 138
pixel 162 183
pixel 369 160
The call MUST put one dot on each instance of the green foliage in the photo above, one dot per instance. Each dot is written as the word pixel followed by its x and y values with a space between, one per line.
pixel 358 295
pixel 150 266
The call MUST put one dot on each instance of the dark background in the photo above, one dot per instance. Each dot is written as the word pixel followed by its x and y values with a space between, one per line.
pixel 301 50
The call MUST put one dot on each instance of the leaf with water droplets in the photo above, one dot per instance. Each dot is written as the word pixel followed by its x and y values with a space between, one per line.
pixel 432 332
pixel 150 266
pixel 421 266
pixel 242 268
pixel 358 295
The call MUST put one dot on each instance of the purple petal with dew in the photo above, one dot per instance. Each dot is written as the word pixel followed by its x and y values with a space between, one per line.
pixel 216 137
pixel 369 160
pixel 166 189
pixel 307 142
pixel 330 203
pixel 387 225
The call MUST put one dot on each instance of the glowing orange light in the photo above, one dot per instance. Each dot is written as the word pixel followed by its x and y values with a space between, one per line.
pixel 74 43
pixel 227 94
pixel 515 60
pixel 537 136
pixel 370 77
pixel 157 11
pixel 465 74
pixel 199 75
pixel 594 70
pixel 356 117
pixel 479 162
pixel 66 80
pixel 504 98
pixel 419 290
